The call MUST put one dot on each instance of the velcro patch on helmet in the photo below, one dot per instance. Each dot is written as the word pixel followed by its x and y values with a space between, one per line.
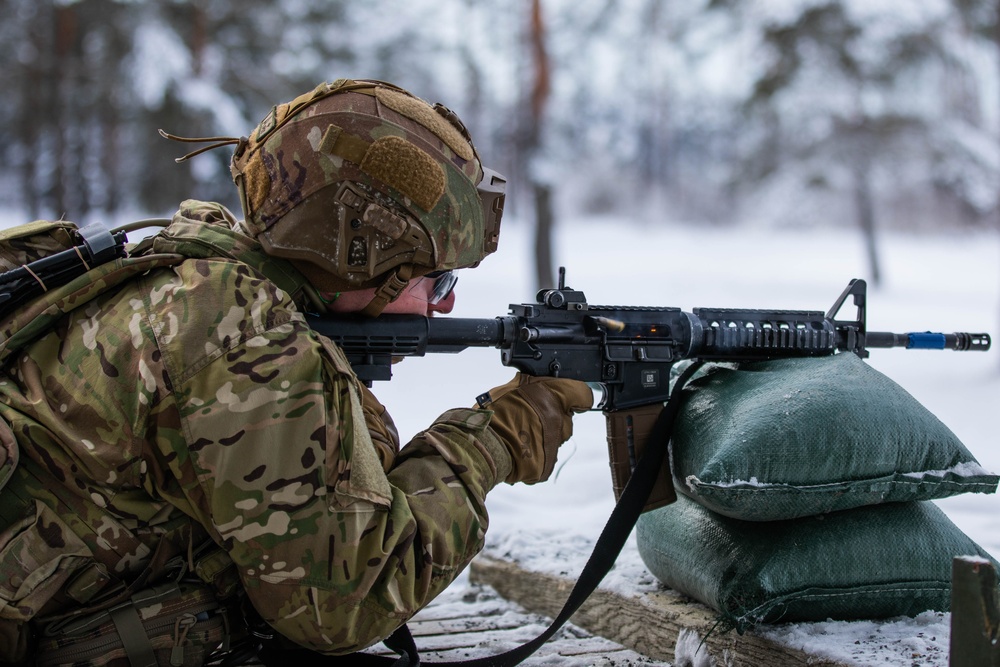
pixel 329 139
pixel 418 110
pixel 256 182
pixel 337 142
pixel 404 166
pixel 266 125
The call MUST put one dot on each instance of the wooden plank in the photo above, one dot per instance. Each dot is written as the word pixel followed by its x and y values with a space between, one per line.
pixel 975 613
pixel 455 626
pixel 510 638
pixel 492 641
pixel 444 609
pixel 462 625
pixel 649 624
pixel 544 656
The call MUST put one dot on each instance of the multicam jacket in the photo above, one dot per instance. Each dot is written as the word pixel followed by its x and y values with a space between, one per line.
pixel 195 400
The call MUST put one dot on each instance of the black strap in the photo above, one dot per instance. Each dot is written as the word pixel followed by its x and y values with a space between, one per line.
pixel 401 641
pixel 137 645
pixel 275 654
pixel 609 545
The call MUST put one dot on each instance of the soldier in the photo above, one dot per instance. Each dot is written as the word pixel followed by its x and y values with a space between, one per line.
pixel 183 428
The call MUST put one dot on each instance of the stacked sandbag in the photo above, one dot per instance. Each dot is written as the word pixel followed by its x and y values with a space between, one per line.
pixel 805 495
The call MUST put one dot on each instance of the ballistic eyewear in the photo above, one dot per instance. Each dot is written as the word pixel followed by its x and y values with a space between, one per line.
pixel 444 285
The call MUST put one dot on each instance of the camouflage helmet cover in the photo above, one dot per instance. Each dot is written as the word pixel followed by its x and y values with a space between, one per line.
pixel 360 184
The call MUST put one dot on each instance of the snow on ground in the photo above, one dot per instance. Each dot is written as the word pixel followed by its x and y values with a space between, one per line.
pixel 941 282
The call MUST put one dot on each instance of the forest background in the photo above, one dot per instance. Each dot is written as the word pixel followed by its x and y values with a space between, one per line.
pixel 732 153
pixel 855 114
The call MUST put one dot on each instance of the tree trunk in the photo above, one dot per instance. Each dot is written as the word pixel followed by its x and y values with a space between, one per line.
pixel 544 219
pixel 996 44
pixel 33 116
pixel 198 40
pixel 64 177
pixel 866 220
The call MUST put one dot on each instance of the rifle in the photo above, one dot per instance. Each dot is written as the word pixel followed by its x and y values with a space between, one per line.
pixel 627 350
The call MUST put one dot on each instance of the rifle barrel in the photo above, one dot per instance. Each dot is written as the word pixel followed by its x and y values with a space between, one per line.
pixel 961 341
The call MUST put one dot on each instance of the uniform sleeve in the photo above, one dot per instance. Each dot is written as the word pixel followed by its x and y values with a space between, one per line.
pixel 281 464
pixel 381 428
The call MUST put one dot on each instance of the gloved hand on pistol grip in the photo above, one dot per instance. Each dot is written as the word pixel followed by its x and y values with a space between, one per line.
pixel 533 416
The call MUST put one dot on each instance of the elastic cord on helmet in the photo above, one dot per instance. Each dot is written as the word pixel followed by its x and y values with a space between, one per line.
pixel 239 142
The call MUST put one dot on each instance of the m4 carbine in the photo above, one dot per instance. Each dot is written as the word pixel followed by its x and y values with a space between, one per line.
pixel 627 350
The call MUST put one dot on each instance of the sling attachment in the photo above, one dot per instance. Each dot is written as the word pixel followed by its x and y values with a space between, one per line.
pixel 613 537
pixel 133 635
pixel 22 284
pixel 101 245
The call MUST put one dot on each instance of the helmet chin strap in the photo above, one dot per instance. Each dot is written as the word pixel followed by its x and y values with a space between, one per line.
pixel 389 290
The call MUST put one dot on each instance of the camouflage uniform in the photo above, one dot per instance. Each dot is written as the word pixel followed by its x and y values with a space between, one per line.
pixel 194 399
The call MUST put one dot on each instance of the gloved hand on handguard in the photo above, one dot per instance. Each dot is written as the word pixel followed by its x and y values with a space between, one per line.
pixel 533 416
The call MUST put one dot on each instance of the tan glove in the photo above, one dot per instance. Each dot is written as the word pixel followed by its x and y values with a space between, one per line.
pixel 533 416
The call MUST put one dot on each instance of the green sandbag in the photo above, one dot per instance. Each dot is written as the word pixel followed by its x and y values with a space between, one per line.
pixel 788 438
pixel 871 562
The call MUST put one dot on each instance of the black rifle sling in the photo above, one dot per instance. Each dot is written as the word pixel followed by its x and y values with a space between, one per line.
pixel 609 545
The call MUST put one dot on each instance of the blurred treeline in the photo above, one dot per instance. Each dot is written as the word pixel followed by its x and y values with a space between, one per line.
pixel 804 112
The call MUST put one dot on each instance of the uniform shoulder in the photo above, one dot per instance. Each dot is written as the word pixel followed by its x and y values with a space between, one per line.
pixel 205 307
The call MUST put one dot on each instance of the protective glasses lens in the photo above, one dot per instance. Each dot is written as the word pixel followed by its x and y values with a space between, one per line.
pixel 444 285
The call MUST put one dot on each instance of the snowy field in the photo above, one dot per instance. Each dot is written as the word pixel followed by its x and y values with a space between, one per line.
pixel 941 283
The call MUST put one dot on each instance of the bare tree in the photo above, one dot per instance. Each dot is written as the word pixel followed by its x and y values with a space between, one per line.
pixel 835 111
pixel 983 16
pixel 540 187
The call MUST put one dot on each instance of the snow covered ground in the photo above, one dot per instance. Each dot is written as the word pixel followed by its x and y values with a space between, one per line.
pixel 939 282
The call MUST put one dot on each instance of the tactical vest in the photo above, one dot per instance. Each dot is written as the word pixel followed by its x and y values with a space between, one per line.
pixel 174 607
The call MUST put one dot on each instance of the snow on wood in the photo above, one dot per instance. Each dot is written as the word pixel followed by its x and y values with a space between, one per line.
pixel 650 623
pixel 475 622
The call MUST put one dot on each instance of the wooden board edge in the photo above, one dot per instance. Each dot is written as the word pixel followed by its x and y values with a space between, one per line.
pixel 649 624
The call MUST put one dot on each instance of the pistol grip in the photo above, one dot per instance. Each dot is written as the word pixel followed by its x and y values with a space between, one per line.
pixel 628 434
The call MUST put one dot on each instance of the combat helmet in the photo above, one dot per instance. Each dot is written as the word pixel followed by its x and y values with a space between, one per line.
pixel 361 184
